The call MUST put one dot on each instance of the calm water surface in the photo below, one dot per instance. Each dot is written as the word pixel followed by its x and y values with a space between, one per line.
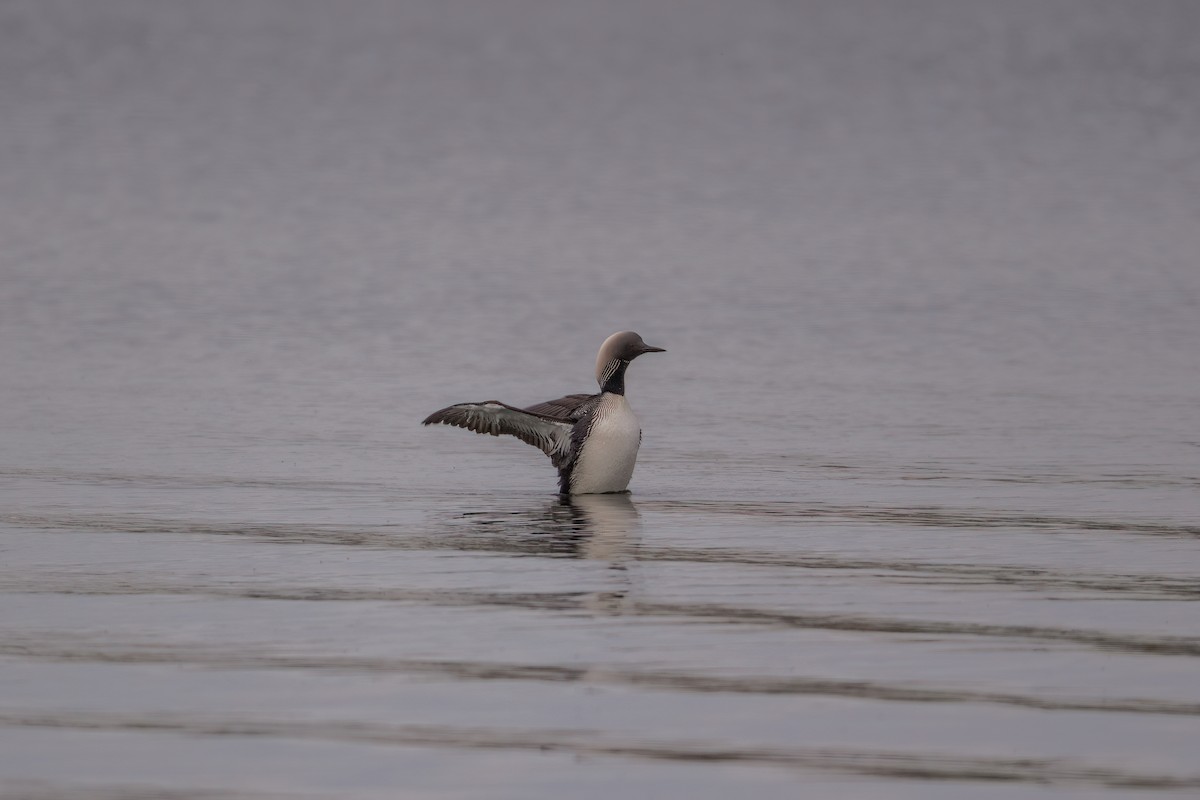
pixel 917 513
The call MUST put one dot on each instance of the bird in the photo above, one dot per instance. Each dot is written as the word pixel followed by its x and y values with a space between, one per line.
pixel 591 439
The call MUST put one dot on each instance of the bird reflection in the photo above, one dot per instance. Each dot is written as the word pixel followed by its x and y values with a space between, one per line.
pixel 608 524
pixel 597 526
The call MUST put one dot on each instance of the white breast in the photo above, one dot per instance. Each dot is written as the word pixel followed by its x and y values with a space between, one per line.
pixel 608 454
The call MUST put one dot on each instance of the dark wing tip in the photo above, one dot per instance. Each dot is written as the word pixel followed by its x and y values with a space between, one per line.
pixel 457 415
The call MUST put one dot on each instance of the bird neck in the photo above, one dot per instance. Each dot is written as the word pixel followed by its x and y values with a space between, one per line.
pixel 612 378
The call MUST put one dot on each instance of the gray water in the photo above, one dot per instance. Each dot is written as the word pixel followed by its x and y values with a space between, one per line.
pixel 917 512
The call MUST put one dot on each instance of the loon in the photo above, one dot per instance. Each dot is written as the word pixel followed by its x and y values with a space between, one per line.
pixel 592 439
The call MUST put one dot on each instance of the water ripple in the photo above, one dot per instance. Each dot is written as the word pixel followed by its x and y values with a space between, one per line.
pixel 559 531
pixel 621 605
pixel 582 743
pixel 77 650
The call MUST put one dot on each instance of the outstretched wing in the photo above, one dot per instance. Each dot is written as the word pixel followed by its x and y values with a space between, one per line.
pixel 566 408
pixel 550 435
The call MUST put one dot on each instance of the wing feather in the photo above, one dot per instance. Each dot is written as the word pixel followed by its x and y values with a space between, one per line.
pixel 566 408
pixel 549 434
